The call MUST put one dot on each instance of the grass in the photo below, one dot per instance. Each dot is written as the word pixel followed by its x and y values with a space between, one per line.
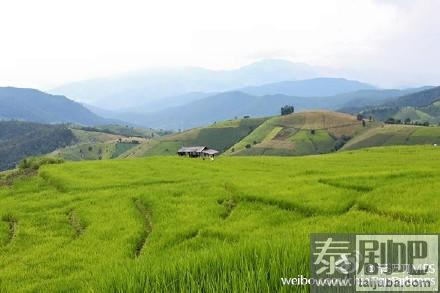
pixel 94 151
pixel 304 133
pixel 235 224
pixel 219 136
pixel 388 135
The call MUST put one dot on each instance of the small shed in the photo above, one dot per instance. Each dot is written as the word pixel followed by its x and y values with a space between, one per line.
pixel 197 151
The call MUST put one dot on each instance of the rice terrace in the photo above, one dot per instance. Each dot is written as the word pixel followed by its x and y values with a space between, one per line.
pixel 220 146
pixel 232 224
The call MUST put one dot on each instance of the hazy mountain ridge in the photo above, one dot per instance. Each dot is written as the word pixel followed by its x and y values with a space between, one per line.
pixel 140 87
pixel 232 104
pixel 316 87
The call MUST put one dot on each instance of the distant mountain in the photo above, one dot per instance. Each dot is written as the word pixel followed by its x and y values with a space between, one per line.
pixel 418 99
pixel 33 105
pixel 140 88
pixel 358 100
pixel 22 139
pixel 317 87
pixel 422 106
pixel 228 105
pixel 232 104
pixel 166 102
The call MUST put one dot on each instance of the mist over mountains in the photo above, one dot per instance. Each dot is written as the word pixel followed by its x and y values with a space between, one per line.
pixel 139 88
pixel 190 97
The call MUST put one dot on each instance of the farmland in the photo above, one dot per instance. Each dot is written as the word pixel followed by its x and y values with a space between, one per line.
pixel 220 136
pixel 175 224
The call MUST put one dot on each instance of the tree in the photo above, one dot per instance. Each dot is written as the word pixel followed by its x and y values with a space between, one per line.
pixel 407 121
pixel 312 131
pixel 360 117
pixel 287 109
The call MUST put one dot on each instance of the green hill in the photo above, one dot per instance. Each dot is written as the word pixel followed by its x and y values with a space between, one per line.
pixel 94 145
pixel 219 136
pixel 22 139
pixel 235 224
pixel 418 107
pixel 303 133
pixel 36 106
pixel 387 135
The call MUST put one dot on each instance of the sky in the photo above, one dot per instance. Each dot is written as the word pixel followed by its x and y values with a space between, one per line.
pixel 47 43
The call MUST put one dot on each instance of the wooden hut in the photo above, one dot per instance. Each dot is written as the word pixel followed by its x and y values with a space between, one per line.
pixel 197 151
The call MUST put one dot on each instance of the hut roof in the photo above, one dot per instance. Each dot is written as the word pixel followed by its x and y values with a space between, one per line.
pixel 210 152
pixel 197 149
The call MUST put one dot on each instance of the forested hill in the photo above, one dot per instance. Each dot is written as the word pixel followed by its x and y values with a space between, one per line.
pixel 22 139
pixel 36 106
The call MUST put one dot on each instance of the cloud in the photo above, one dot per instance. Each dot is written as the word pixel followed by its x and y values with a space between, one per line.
pixel 50 42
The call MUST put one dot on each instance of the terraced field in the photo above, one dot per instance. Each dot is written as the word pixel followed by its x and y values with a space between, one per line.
pixel 387 135
pixel 303 133
pixel 169 224
pixel 93 145
pixel 219 136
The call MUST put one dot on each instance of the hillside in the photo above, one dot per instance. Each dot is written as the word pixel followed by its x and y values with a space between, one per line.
pixel 388 135
pixel 92 144
pixel 317 87
pixel 19 140
pixel 226 105
pixel 300 134
pixel 124 130
pixel 355 101
pixel 169 224
pixel 219 136
pixel 36 106
pixel 304 133
pixel 418 99
pixel 420 106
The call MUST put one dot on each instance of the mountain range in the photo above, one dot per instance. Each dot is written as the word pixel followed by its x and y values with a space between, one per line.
pixel 183 98
pixel 133 89
pixel 233 104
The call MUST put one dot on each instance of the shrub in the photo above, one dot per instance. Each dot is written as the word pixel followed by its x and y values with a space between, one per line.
pixel 34 163
pixel 248 146
pixel 340 142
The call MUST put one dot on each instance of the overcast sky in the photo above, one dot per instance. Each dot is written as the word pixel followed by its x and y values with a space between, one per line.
pixel 46 43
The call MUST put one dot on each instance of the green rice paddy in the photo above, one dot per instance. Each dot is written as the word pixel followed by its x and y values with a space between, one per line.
pixel 235 224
